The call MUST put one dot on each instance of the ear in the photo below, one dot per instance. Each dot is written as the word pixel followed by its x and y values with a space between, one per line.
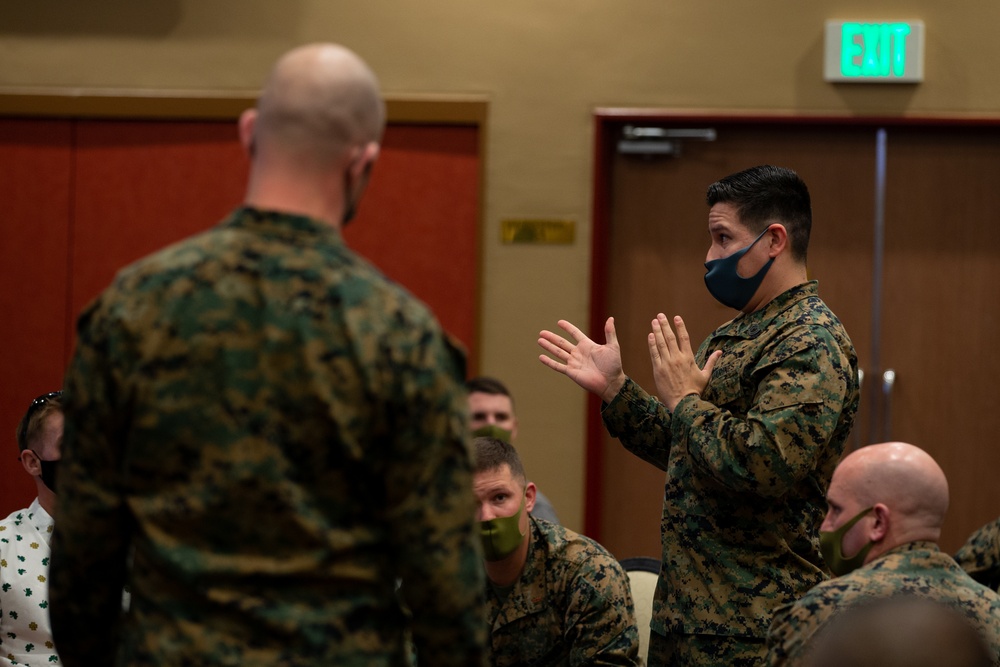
pixel 248 119
pixel 530 491
pixel 362 159
pixel 30 462
pixel 778 239
pixel 883 515
pixel 513 430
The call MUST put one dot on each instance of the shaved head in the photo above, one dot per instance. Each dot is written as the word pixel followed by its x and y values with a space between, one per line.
pixel 902 477
pixel 319 101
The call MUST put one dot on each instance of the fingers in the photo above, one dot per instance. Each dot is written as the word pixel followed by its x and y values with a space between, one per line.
pixel 571 329
pixel 683 337
pixel 555 345
pixel 654 349
pixel 610 336
pixel 657 341
pixel 553 364
pixel 665 335
pixel 710 364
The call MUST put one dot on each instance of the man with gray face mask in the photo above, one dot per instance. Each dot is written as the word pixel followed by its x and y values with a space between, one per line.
pixel 25 634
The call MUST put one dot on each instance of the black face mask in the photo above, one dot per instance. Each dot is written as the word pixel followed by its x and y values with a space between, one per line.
pixel 351 204
pixel 49 473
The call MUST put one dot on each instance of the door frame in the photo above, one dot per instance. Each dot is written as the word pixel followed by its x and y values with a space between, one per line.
pixel 607 121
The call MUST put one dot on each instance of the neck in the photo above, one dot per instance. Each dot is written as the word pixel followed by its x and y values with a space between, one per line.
pixel 308 195
pixel 506 571
pixel 778 281
pixel 46 498
pixel 904 535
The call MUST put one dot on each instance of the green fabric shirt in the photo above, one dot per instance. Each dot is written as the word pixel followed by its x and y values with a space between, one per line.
pixel 915 568
pixel 747 464
pixel 572 606
pixel 263 435
pixel 980 555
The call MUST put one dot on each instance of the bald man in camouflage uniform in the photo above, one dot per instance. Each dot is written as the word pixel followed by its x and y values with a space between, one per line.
pixel 886 506
pixel 748 430
pixel 980 555
pixel 263 434
pixel 555 598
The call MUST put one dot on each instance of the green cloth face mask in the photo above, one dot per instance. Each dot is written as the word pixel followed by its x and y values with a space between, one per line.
pixel 501 536
pixel 492 431
pixel 831 545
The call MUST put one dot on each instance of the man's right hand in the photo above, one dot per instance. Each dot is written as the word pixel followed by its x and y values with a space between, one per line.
pixel 596 368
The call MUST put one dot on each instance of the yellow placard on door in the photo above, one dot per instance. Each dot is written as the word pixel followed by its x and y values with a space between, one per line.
pixel 538 230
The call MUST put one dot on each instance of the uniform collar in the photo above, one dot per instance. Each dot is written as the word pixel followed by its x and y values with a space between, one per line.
pixel 919 545
pixel 750 325
pixel 39 519
pixel 531 588
pixel 280 224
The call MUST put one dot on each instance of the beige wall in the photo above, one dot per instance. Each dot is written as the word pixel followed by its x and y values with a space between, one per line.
pixel 543 65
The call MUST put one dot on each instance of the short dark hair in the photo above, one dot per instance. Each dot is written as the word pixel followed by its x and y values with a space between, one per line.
pixel 485 384
pixel 34 418
pixel 493 453
pixel 764 195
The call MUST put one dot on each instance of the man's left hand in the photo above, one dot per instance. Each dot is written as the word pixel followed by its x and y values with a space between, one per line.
pixel 675 370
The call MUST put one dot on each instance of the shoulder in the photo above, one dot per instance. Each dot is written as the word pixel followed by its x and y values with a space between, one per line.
pixel 987 536
pixel 11 526
pixel 282 268
pixel 802 336
pixel 569 554
pixel 16 517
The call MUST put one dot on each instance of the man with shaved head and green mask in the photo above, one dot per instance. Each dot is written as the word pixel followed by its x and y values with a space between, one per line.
pixel 264 435
pixel 885 507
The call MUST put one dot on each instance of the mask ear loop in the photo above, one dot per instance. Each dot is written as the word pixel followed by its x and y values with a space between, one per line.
pixel 846 527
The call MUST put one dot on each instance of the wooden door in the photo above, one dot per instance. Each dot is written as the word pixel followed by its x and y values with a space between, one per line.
pixel 941 314
pixel 657 241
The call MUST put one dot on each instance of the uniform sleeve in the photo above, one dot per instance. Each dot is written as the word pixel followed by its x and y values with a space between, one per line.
pixel 91 536
pixel 600 623
pixel 640 422
pixel 792 629
pixel 801 390
pixel 980 555
pixel 431 511
pixel 782 637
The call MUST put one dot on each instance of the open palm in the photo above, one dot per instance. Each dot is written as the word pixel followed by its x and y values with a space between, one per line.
pixel 596 368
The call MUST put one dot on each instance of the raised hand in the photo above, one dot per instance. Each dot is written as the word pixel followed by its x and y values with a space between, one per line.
pixel 596 368
pixel 675 370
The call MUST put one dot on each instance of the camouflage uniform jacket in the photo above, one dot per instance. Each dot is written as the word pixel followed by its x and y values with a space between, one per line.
pixel 747 464
pixel 915 568
pixel 572 606
pixel 264 433
pixel 980 555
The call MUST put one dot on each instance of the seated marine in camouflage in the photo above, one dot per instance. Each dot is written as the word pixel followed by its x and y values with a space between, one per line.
pixel 554 597
pixel 886 504
pixel 980 555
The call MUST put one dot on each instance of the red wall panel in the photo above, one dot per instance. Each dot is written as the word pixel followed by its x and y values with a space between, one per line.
pixel 35 186
pixel 141 185
pixel 419 220
pixel 81 199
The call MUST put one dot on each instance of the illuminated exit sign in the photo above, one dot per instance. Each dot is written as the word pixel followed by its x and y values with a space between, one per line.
pixel 859 52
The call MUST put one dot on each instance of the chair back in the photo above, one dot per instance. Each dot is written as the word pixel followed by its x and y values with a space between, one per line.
pixel 643 573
